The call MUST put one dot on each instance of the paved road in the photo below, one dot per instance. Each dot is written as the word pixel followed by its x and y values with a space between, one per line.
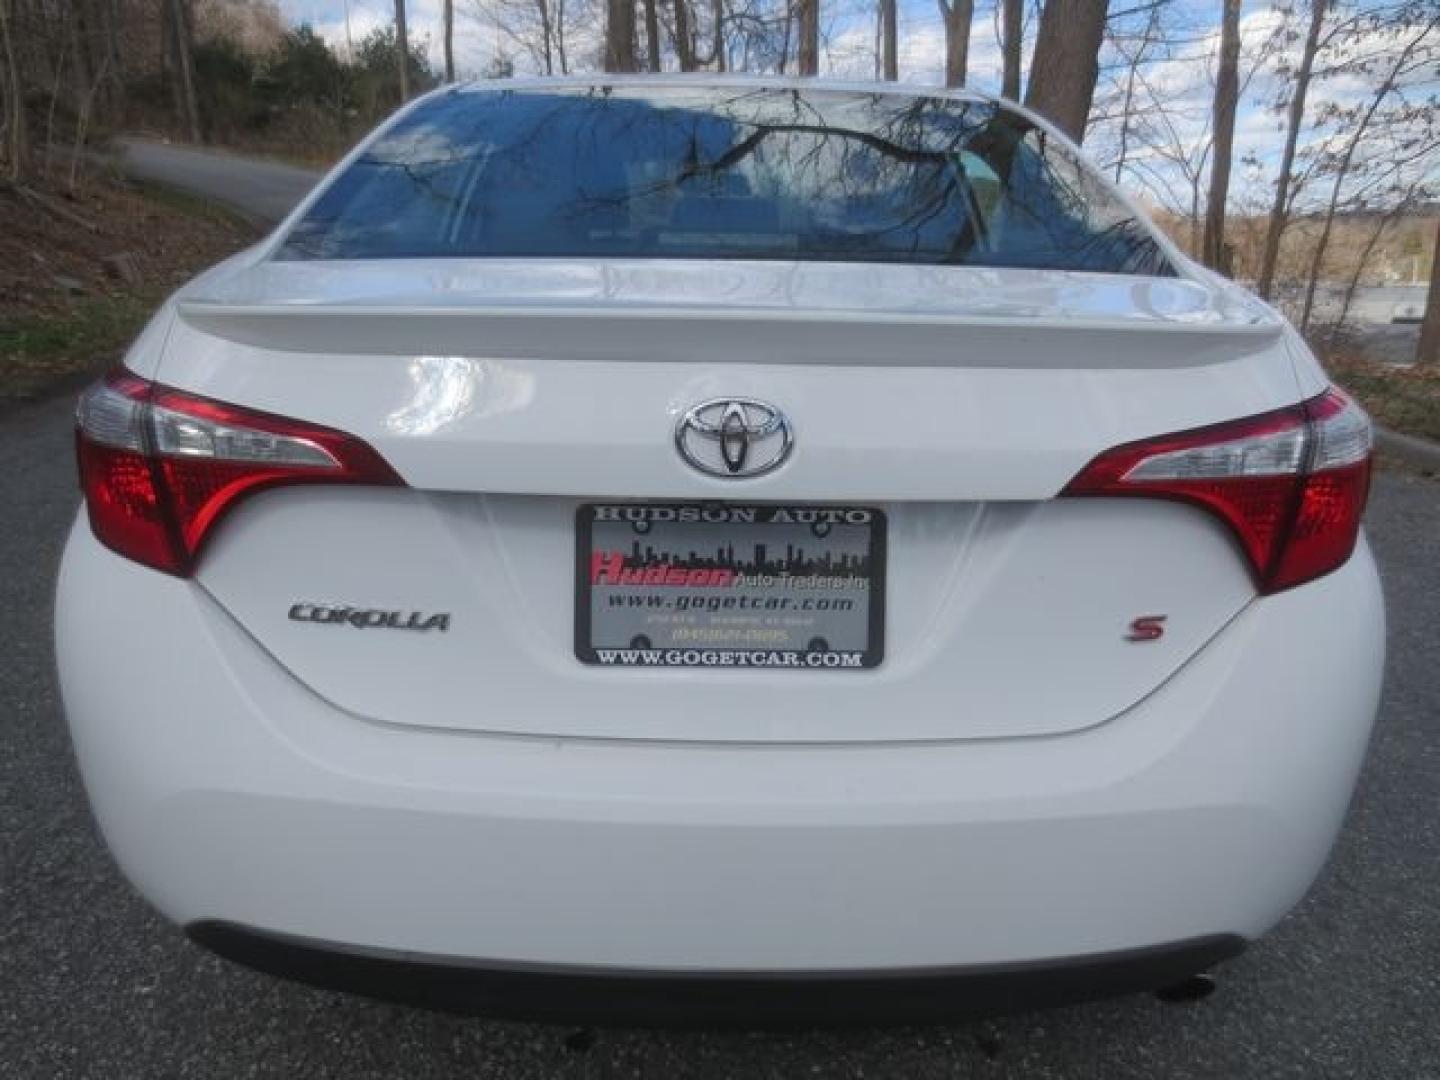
pixel 266 190
pixel 92 984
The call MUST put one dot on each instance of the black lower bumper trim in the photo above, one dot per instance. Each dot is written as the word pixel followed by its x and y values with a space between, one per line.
pixel 618 996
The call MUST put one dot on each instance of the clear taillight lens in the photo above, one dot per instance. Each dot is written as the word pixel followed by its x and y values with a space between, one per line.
pixel 1291 484
pixel 159 467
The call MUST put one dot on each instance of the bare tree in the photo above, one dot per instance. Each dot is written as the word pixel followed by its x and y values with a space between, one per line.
pixel 448 33
pixel 619 35
pixel 1357 123
pixel 402 49
pixel 879 39
pixel 721 35
pixel 538 27
pixel 77 40
pixel 1012 34
pixel 889 46
pixel 1227 97
pixel 957 15
pixel 808 16
pixel 57 87
pixel 717 34
pixel 182 38
pixel 684 36
pixel 16 123
pixel 652 36
pixel 1383 221
pixel 1067 62
pixel 1164 145
pixel 555 33
pixel 82 122
pixel 1132 120
pixel 1428 352
pixel 1280 208
pixel 107 45
pixel 787 27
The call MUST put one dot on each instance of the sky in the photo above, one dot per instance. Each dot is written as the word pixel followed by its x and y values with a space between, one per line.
pixel 1174 103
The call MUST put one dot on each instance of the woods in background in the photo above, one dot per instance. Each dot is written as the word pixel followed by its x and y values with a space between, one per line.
pixel 1156 89
pixel 226 71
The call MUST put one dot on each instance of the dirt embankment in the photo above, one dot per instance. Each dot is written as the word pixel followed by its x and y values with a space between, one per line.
pixel 80 274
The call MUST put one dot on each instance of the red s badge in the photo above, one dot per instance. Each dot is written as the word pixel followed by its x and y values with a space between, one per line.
pixel 1147 628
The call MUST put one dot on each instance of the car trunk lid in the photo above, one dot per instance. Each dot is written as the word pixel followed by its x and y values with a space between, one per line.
pixel 956 403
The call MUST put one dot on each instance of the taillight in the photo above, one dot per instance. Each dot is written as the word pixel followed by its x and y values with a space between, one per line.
pixel 160 467
pixel 1290 484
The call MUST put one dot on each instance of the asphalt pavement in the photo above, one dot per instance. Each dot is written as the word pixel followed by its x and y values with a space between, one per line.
pixel 265 190
pixel 94 984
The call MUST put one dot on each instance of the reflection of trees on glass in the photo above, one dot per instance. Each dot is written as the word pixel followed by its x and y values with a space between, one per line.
pixel 695 172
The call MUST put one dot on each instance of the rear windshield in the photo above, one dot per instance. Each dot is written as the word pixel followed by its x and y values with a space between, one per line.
pixel 722 173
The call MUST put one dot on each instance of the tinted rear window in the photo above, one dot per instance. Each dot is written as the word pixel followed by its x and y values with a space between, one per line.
pixel 722 173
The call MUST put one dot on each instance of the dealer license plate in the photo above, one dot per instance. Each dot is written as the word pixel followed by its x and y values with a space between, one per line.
pixel 721 585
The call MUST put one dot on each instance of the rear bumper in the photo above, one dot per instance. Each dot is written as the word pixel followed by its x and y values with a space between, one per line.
pixel 593 995
pixel 229 793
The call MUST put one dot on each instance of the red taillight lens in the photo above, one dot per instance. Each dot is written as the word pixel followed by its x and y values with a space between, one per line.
pixel 160 467
pixel 1290 484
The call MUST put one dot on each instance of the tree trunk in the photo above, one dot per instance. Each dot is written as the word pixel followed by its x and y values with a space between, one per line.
pixel 80 50
pixel 1280 208
pixel 1317 257
pixel 1428 352
pixel 108 53
pixel 957 16
pixel 82 125
pixel 1012 17
pixel 619 35
pixel 1066 63
pixel 557 35
pixel 684 42
pixel 889 46
pixel 879 40
pixel 717 36
pixel 1195 216
pixel 652 35
pixel 349 36
pixel 402 47
pixel 167 48
pixel 808 62
pixel 789 26
pixel 57 67
pixel 448 31
pixel 116 19
pixel 1227 97
pixel 17 126
pixel 547 35
pixel 182 38
pixel 1362 263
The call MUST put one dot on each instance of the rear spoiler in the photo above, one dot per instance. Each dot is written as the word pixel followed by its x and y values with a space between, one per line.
pixel 618 332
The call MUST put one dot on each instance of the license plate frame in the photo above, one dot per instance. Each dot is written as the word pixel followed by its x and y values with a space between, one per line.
pixel 686 621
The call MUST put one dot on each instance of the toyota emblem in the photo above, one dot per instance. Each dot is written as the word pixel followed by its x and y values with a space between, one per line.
pixel 734 438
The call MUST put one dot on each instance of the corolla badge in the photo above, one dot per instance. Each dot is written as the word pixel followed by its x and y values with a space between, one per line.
pixel 369 618
pixel 734 438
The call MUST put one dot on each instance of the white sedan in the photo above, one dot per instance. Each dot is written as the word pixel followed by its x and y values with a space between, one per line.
pixel 758 548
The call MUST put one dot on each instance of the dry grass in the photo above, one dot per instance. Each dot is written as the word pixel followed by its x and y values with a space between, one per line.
pixel 1405 399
